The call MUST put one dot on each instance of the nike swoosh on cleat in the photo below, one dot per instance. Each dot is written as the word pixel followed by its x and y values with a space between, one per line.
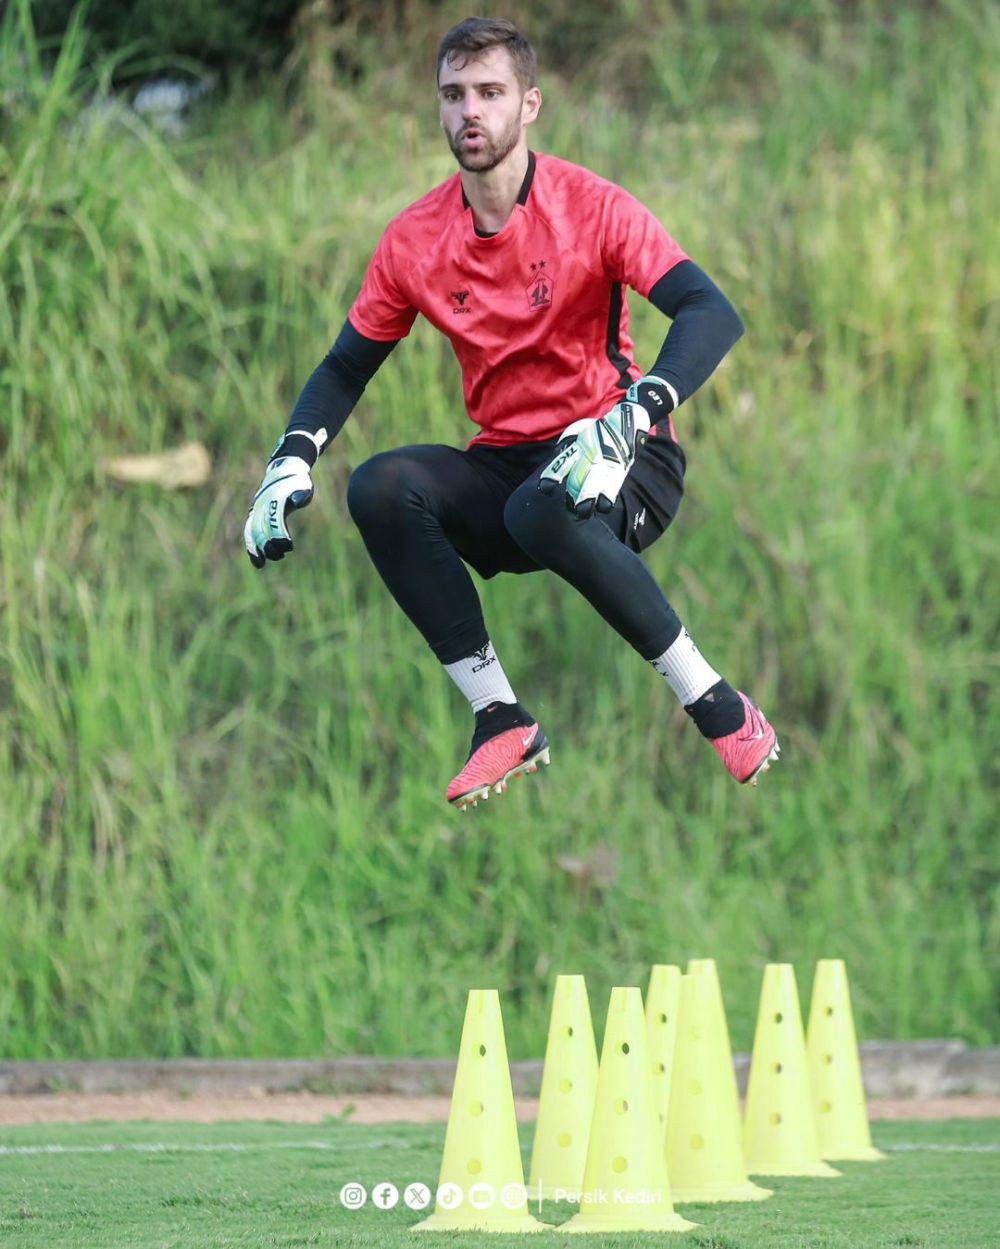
pixel 526 741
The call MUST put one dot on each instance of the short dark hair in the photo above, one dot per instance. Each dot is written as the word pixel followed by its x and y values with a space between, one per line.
pixel 469 39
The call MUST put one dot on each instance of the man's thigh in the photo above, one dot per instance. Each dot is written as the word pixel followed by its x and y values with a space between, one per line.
pixel 467 492
pixel 650 497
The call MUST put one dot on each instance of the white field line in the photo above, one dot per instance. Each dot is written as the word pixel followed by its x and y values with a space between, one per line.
pixel 160 1147
pixel 990 1147
pixel 242 1147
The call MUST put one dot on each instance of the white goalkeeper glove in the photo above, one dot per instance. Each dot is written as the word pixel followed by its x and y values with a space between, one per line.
pixel 287 486
pixel 592 467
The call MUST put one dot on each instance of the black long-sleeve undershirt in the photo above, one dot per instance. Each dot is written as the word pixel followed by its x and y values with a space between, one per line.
pixel 330 394
pixel 704 326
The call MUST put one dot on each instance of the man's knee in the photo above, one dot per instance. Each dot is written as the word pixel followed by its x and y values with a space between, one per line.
pixel 378 487
pixel 536 521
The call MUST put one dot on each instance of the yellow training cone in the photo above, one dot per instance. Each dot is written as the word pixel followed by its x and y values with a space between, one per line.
pixel 705 967
pixel 625 1180
pixel 569 1083
pixel 704 1145
pixel 482 1180
pixel 661 1029
pixel 780 1131
pixel 835 1069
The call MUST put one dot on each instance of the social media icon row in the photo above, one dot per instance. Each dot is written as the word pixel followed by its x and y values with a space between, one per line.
pixel 418 1196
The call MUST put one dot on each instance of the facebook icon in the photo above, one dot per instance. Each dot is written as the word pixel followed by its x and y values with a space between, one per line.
pixel 385 1196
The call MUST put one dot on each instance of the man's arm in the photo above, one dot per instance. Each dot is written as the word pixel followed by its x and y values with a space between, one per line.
pixel 326 401
pixel 705 325
pixel 595 456
pixel 331 393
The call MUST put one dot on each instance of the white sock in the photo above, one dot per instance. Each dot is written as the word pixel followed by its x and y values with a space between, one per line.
pixel 686 669
pixel 481 679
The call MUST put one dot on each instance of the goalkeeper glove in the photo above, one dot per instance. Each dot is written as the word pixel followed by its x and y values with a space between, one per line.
pixel 287 486
pixel 592 467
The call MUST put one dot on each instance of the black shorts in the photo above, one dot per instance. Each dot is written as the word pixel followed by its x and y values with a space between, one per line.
pixel 488 476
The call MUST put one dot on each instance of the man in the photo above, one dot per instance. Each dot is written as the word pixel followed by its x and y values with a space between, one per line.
pixel 521 261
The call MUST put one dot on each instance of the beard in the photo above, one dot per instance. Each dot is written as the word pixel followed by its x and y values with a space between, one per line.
pixel 494 149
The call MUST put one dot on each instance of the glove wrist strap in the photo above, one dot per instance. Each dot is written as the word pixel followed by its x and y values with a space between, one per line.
pixel 302 444
pixel 656 396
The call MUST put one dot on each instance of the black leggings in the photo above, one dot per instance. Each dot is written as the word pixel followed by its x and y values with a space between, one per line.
pixel 423 510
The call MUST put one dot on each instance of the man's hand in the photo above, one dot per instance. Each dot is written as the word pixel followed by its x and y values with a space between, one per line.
pixel 287 485
pixel 595 456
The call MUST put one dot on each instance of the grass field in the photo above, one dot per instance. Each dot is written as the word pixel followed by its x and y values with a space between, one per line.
pixel 222 827
pixel 181 1186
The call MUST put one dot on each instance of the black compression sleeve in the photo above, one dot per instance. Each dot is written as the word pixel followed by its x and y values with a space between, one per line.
pixel 336 385
pixel 705 326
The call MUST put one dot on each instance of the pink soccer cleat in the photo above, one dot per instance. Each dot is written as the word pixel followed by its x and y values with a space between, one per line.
pixel 752 748
pixel 499 758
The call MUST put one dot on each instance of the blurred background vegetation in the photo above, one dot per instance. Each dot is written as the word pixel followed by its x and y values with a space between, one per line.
pixel 222 827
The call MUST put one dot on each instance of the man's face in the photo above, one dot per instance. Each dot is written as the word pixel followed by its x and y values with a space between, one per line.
pixel 484 109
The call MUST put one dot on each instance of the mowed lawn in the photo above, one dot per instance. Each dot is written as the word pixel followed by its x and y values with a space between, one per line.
pixel 184 1185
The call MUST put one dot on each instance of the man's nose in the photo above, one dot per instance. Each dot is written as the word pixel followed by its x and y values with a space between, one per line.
pixel 470 105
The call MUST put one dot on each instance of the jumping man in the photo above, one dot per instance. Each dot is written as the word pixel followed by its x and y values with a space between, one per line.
pixel 521 260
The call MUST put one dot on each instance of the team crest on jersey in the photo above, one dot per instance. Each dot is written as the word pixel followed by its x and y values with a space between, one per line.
pixel 460 298
pixel 539 289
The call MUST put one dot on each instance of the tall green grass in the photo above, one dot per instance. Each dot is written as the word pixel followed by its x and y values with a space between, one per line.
pixel 221 819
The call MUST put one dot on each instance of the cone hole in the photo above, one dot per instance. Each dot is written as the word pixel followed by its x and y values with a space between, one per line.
pixel 775 1118
pixel 777 1068
pixel 569 1030
pixel 476 1109
pixel 661 1069
pixel 564 1140
pixel 828 1059
pixel 697 1142
pixel 825 1107
pixel 475 1166
pixel 482 1051
pixel 565 1086
pixel 828 1011
pixel 778 1016
pixel 621 1106
pixel 623 1048
pixel 663 1017
pixel 618 1165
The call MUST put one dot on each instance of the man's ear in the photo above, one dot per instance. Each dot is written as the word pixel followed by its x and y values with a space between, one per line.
pixel 532 102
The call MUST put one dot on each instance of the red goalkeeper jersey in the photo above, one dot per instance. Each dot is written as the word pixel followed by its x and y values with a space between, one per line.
pixel 536 314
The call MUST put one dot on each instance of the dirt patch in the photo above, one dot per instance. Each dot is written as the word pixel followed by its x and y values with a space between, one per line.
pixel 315 1108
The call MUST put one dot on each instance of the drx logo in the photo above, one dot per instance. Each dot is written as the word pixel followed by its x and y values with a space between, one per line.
pixel 460 297
pixel 484 657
